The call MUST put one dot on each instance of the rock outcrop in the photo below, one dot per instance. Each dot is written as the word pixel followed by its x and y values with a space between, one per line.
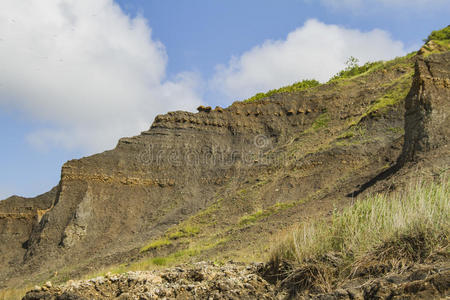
pixel 201 281
pixel 427 120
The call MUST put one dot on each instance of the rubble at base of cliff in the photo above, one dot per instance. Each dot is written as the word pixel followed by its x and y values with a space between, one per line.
pixel 207 280
pixel 204 280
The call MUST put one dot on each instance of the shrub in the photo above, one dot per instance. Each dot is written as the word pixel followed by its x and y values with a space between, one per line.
pixel 439 35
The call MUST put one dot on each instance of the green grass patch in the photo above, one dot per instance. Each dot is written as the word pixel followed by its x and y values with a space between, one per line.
pixel 444 43
pixel 296 87
pixel 397 93
pixel 159 261
pixel 263 213
pixel 185 231
pixel 394 96
pixel 354 70
pixel 352 136
pixel 396 130
pixel 156 244
pixel 320 122
pixel 396 229
pixel 179 256
pixel 346 135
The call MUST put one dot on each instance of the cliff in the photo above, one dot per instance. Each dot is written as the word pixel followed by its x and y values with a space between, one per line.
pixel 224 183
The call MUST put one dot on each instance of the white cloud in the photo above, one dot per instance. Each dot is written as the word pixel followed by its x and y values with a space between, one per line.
pixel 85 69
pixel 316 50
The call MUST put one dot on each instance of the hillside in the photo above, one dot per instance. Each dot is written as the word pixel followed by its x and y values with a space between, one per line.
pixel 226 183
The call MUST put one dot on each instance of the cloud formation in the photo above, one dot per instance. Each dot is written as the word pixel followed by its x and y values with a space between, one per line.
pixel 86 71
pixel 316 50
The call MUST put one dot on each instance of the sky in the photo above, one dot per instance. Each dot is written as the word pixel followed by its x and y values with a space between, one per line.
pixel 77 75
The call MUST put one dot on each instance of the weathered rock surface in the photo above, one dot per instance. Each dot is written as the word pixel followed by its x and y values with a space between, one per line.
pixel 17 217
pixel 427 120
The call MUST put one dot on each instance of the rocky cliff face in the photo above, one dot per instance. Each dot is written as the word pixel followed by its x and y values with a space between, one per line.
pixel 237 175
pixel 427 124
pixel 17 217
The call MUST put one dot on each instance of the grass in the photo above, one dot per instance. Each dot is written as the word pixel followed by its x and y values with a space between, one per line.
pixel 394 96
pixel 320 122
pixel 444 46
pixel 444 43
pixel 397 229
pixel 396 93
pixel 347 137
pixel 174 233
pixel 185 231
pixel 179 255
pixel 161 261
pixel 263 213
pixel 296 87
pixel 156 244
pixel 396 130
pixel 355 70
pixel 439 35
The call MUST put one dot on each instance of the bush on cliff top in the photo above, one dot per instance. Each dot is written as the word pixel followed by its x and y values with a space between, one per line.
pixel 439 35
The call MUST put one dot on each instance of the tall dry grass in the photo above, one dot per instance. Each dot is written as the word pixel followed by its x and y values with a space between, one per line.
pixel 394 230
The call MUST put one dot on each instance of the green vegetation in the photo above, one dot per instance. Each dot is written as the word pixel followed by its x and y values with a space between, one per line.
pixel 320 122
pixel 439 35
pixel 353 69
pixel 397 229
pixel 353 131
pixel 396 130
pixel 172 234
pixel 263 213
pixel 394 96
pixel 161 261
pixel 444 43
pixel 185 231
pixel 298 86
pixel 437 41
pixel 156 244
pixel 397 92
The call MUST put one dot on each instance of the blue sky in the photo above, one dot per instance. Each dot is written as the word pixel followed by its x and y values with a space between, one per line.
pixel 77 75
